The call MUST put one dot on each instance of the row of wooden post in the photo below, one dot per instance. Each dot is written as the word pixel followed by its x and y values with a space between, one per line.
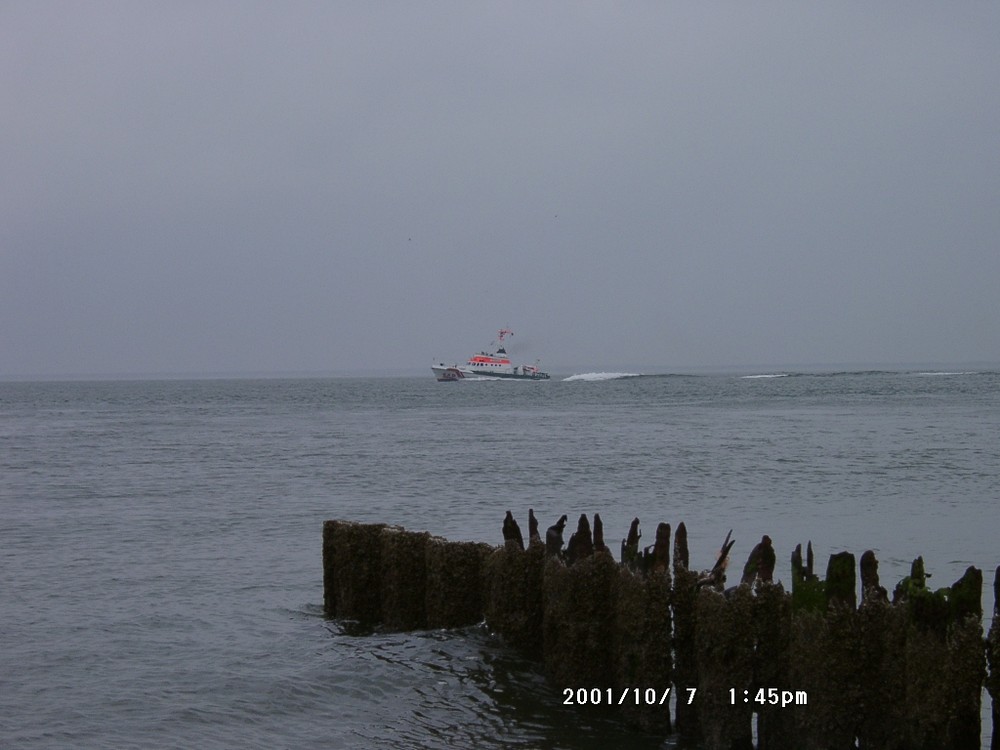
pixel 811 666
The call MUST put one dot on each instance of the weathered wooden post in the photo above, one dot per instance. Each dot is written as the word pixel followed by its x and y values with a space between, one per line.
pixel 808 592
pixel 455 583
pixel 882 639
pixel 685 660
pixel 824 653
pixel 772 612
pixel 993 655
pixel 724 646
pixel 968 660
pixel 352 571
pixel 642 630
pixel 944 660
pixel 577 623
pixel 514 603
pixel 404 578
pixel 329 569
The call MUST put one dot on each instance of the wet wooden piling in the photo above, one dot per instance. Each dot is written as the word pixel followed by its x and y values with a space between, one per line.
pixel 403 587
pixel 514 603
pixel 993 657
pixel 641 637
pixel 882 636
pixel 772 625
pixel 684 595
pixel 810 665
pixel 641 646
pixel 578 620
pixel 454 582
pixel 724 648
pixel 352 571
pixel 824 657
pixel 385 576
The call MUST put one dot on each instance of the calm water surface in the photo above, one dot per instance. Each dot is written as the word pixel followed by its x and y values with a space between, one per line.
pixel 160 551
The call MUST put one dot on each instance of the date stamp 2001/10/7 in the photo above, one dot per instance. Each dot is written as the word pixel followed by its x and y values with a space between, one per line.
pixel 622 697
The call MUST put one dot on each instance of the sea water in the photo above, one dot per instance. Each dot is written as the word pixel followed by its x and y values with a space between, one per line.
pixel 161 552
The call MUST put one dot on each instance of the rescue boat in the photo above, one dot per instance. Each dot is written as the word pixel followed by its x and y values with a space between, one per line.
pixel 491 364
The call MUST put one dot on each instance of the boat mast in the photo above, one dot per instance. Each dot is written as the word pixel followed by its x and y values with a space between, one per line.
pixel 501 335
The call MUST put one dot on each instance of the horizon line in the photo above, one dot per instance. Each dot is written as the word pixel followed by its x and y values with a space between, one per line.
pixel 386 372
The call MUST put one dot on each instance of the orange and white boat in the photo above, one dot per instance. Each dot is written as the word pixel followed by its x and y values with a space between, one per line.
pixel 492 364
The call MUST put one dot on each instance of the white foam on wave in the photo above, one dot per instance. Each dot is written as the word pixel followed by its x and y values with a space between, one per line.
pixel 602 376
pixel 931 374
pixel 768 375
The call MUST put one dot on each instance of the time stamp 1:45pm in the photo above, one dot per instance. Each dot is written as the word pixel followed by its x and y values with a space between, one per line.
pixel 769 697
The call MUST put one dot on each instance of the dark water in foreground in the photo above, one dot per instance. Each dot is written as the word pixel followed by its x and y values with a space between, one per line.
pixel 160 548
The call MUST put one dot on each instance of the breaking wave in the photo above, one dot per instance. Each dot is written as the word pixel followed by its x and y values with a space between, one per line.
pixel 602 376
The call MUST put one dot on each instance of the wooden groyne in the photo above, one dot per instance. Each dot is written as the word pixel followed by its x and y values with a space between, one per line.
pixel 647 636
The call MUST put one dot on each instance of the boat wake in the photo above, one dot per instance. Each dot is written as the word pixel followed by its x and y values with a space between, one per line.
pixel 592 376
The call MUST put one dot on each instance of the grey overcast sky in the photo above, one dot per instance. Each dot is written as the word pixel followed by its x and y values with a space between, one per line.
pixel 218 186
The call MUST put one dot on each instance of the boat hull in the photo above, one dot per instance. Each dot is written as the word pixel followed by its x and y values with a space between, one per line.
pixel 453 373
pixel 512 375
pixel 449 373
